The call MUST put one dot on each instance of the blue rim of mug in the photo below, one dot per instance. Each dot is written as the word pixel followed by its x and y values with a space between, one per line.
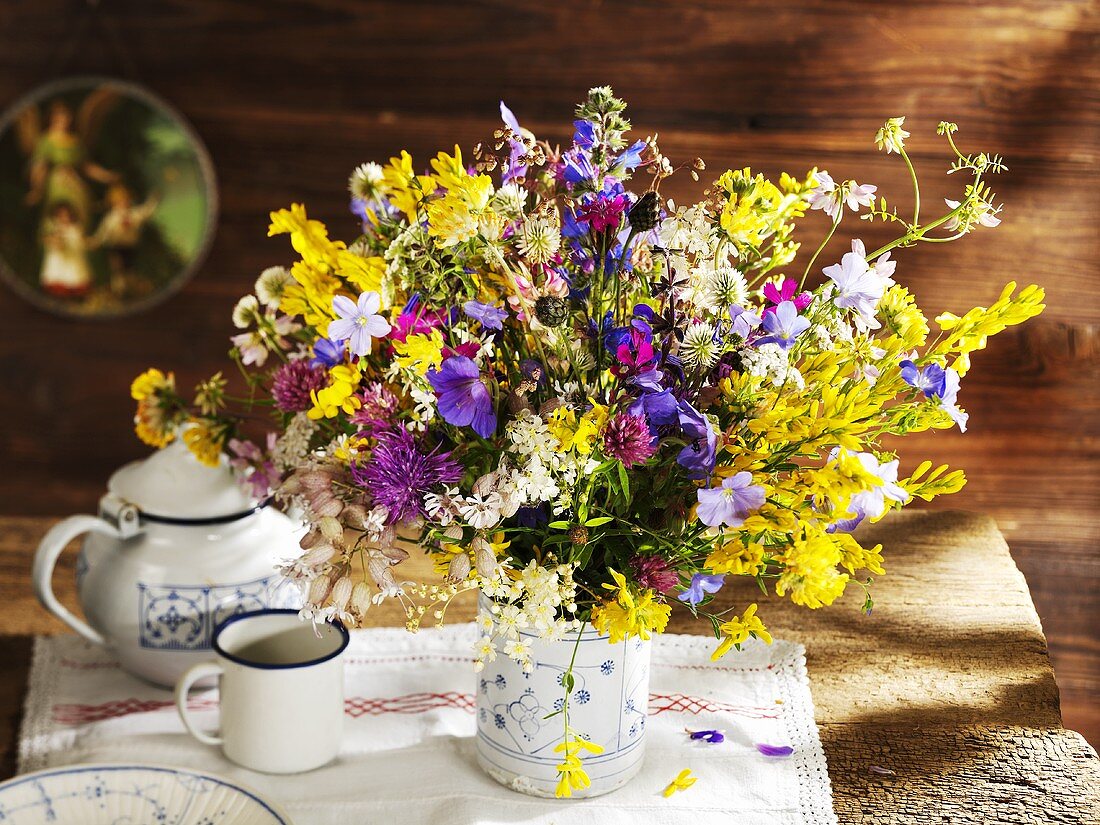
pixel 276 611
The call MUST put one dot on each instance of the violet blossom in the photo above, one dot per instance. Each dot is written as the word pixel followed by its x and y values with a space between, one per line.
pixel 700 454
pixel 871 503
pixel 654 573
pixel 701 585
pixel 731 502
pixel 462 396
pixel 858 286
pixel 358 322
pixel 487 315
pixel 626 438
pixel 787 291
pixel 783 326
pixel 293 383
pixel 327 353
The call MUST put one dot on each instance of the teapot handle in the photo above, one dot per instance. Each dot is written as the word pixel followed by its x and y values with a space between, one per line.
pixel 45 558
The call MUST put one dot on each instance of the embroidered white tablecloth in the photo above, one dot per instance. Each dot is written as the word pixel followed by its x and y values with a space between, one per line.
pixel 408 753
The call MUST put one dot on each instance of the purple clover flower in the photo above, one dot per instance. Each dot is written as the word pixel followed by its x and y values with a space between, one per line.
pixel 784 325
pixel 462 397
pixel 731 502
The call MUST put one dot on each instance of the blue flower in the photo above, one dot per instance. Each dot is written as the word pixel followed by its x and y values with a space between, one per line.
pixel 583 696
pixel 327 353
pixel 607 668
pixel 462 397
pixel 584 133
pixel 631 156
pixel 931 380
pixel 489 316
pixel 783 326
pixel 701 585
pixel 937 383
pixel 659 408
pixel 578 167
pixel 699 456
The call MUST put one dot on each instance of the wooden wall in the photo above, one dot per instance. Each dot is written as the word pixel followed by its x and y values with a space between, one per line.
pixel 290 95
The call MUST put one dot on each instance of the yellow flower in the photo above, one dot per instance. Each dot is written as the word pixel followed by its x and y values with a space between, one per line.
pixel 338 395
pixel 405 189
pixel 628 613
pixel 572 776
pixel 682 782
pixel 562 424
pixel 589 427
pixel 971 331
pixel 451 220
pixel 810 562
pixel 151 382
pixel 903 317
pixel 153 426
pixel 308 237
pixel 449 171
pixel 204 441
pixel 737 557
pixel 419 351
pixel 736 631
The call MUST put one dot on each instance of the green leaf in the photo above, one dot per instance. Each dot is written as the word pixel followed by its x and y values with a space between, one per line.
pixel 558 525
pixel 624 481
pixel 599 520
pixel 568 681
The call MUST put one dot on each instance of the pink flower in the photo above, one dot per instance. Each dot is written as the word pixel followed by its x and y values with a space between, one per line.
pixel 626 438
pixel 786 292
pixel 654 573
pixel 293 383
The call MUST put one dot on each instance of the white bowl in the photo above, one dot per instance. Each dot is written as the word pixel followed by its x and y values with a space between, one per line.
pixel 137 794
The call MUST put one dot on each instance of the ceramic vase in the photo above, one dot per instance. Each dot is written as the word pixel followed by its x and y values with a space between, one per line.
pixel 515 740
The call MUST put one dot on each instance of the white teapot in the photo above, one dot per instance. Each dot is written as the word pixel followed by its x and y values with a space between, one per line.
pixel 177 547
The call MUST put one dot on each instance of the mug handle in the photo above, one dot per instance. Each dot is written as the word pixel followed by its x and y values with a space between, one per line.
pixel 45 558
pixel 199 671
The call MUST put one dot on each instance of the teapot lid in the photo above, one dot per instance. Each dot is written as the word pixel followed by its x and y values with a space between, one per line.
pixel 174 485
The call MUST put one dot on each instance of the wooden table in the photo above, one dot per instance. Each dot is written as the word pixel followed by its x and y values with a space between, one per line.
pixel 947 683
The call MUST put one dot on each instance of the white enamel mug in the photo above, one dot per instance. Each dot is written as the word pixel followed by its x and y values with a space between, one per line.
pixel 281 691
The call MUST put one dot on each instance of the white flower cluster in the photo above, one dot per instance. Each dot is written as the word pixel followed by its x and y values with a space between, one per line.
pixel 535 605
pixel 770 361
pixel 541 473
pixel 689 230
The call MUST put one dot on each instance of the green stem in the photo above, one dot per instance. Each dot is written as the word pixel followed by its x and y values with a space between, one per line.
pixel 916 187
pixel 824 243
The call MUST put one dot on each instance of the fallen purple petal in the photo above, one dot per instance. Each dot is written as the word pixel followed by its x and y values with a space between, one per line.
pixel 774 750
pixel 881 771
pixel 712 736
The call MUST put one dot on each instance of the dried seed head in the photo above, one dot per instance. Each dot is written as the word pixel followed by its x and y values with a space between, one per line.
pixel 360 598
pixel 578 534
pixel 331 528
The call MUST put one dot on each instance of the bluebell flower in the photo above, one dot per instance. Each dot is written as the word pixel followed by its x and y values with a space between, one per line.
pixel 659 408
pixel 701 585
pixel 584 133
pixel 699 456
pixel 631 157
pixel 327 353
pixel 489 316
pixel 578 167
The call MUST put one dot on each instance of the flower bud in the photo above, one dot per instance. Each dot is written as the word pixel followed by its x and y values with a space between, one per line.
pixel 459 568
pixel 331 528
pixel 646 213
pixel 318 590
pixel 454 532
pixel 484 557
pixel 354 515
pixel 326 504
pixel 314 480
pixel 551 310
pixel 318 555
pixel 310 539
pixel 360 598
pixel 341 592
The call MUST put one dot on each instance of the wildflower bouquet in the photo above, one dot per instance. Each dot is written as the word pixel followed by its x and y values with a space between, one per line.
pixel 590 403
